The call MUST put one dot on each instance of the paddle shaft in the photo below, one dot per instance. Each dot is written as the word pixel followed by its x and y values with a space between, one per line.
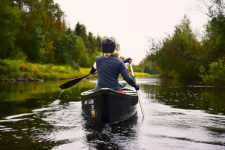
pixel 136 90
pixel 132 72
pixel 72 82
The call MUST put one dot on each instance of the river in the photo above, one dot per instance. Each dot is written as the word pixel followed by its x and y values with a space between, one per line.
pixel 177 116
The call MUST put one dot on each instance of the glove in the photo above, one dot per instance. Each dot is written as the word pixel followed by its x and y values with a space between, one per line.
pixel 127 60
pixel 93 70
pixel 136 86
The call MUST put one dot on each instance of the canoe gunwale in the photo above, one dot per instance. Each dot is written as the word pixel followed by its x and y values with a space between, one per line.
pixel 128 91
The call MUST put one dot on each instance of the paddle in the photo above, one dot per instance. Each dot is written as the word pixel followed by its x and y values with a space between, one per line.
pixel 72 82
pixel 136 90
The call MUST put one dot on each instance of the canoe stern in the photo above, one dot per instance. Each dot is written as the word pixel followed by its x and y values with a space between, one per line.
pixel 108 106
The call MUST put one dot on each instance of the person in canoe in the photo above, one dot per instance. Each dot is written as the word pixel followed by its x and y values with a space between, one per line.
pixel 109 66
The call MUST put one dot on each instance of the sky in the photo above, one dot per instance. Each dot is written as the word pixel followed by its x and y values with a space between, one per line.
pixel 132 22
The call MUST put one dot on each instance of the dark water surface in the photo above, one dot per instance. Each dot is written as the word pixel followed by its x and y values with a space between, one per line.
pixel 177 117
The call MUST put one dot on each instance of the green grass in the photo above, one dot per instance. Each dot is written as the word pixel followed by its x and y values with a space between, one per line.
pixel 154 75
pixel 20 68
pixel 141 74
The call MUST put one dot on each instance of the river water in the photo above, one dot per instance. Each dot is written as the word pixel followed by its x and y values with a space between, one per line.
pixel 176 117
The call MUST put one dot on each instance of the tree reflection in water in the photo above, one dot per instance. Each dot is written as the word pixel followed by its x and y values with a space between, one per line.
pixel 179 95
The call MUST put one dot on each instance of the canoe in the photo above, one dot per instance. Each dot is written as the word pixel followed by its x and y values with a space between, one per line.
pixel 109 106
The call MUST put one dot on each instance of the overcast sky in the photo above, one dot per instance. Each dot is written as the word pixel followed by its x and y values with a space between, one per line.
pixel 131 21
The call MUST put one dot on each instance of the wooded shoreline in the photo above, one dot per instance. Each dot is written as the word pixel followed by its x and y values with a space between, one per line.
pixel 23 71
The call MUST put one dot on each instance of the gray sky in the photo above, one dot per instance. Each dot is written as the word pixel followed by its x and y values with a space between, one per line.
pixel 131 21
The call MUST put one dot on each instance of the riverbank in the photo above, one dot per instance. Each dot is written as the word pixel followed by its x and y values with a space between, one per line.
pixel 20 70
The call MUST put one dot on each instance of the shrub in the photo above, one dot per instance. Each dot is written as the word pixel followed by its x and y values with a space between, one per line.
pixel 216 73
pixel 74 65
pixel 3 70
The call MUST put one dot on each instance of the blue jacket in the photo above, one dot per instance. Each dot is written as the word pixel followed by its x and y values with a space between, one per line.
pixel 109 70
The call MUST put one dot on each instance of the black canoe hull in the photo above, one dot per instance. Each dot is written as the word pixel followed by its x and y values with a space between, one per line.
pixel 109 106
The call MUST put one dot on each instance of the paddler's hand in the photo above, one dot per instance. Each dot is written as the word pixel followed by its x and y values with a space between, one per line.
pixel 127 60
pixel 136 86
pixel 93 70
pixel 121 57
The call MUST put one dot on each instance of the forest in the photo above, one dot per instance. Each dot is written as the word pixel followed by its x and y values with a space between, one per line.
pixel 36 31
pixel 184 56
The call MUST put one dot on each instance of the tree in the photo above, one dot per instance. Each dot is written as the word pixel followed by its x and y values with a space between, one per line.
pixel 98 43
pixel 90 38
pixel 81 55
pixel 9 26
pixel 213 71
pixel 31 35
pixel 60 25
pixel 42 22
pixel 215 30
pixel 178 55
pixel 78 30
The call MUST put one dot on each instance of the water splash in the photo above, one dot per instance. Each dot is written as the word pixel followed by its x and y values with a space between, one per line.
pixel 61 93
pixel 55 103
